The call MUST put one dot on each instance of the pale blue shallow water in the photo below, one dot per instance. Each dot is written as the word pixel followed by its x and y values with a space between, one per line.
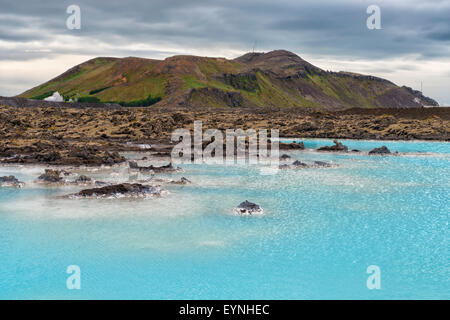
pixel 322 228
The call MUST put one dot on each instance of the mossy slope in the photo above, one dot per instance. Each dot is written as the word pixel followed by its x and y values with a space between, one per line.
pixel 274 79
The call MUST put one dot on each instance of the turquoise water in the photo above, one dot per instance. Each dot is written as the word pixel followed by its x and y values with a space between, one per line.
pixel 321 229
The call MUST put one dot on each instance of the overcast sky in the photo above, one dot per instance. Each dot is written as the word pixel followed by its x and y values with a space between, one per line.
pixel 412 46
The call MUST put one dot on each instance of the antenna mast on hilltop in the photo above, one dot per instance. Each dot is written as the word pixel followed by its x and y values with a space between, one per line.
pixel 254 46
pixel 421 87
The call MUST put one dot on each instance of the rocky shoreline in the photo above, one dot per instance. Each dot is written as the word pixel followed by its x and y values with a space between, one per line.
pixel 94 136
pixel 143 181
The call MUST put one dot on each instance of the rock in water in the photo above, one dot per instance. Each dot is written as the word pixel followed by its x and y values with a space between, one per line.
pixel 295 165
pixel 11 181
pixel 292 146
pixel 166 168
pixel 162 169
pixel 298 163
pixel 183 180
pixel 338 146
pixel 322 164
pixel 247 208
pixel 381 150
pixel 133 165
pixel 119 190
pixel 51 176
pixel 83 179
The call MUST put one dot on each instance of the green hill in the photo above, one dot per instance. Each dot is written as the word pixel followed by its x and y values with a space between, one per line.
pixel 277 78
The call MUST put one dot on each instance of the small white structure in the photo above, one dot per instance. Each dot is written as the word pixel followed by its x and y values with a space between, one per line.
pixel 55 97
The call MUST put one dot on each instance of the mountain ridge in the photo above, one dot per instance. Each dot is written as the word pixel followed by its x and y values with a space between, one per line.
pixel 274 79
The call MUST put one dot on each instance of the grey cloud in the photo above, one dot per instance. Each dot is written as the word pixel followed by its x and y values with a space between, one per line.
pixel 315 27
pixel 23 55
pixel 378 70
pixel 441 35
pixel 407 67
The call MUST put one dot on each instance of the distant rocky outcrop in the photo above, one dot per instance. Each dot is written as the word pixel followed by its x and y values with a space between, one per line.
pixel 51 176
pixel 426 101
pixel 297 164
pixel 381 150
pixel 338 146
pixel 182 181
pixel 322 164
pixel 11 181
pixel 82 179
pixel 247 208
pixel 162 169
pixel 63 177
pixel 58 152
pixel 292 146
pixel 135 190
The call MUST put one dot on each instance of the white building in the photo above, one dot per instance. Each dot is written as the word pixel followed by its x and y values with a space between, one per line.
pixel 56 97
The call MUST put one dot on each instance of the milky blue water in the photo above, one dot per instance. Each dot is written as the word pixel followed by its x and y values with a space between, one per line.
pixel 321 229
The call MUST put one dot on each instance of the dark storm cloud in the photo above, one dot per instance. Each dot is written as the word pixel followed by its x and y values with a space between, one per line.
pixel 440 35
pixel 316 27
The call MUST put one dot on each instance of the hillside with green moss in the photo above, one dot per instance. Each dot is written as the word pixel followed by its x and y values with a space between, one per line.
pixel 274 79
